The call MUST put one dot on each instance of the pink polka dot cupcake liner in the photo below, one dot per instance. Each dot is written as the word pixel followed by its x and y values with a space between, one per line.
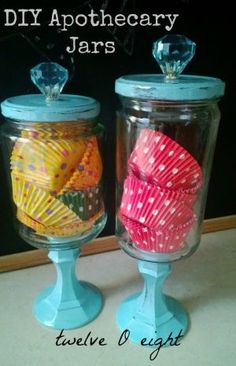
pixel 157 241
pixel 158 159
pixel 188 198
pixel 152 207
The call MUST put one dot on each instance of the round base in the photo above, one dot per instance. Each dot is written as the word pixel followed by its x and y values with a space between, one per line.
pixel 172 324
pixel 69 314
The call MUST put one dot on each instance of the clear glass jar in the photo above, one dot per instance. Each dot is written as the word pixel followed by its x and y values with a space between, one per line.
pixel 55 175
pixel 52 148
pixel 166 134
pixel 160 197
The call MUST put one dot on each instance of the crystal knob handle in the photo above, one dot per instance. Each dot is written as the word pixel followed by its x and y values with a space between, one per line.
pixel 50 78
pixel 173 53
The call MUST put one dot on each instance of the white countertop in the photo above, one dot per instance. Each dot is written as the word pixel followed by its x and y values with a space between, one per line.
pixel 205 284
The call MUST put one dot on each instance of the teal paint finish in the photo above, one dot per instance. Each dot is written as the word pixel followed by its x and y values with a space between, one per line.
pixel 69 303
pixel 172 52
pixel 151 314
pixel 50 106
pixel 35 108
pixel 157 87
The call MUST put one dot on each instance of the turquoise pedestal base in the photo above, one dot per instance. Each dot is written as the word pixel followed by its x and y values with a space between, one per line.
pixel 69 303
pixel 151 314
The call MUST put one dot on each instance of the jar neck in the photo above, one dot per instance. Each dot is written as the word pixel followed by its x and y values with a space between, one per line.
pixel 60 129
pixel 150 104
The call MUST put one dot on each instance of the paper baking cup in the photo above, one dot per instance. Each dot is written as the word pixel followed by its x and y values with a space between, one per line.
pixel 51 163
pixel 152 207
pixel 85 203
pixel 187 198
pixel 157 241
pixel 51 132
pixel 46 131
pixel 69 229
pixel 158 159
pixel 40 205
pixel 66 230
pixel 88 172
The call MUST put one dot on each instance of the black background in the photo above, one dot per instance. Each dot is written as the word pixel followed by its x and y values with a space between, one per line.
pixel 94 75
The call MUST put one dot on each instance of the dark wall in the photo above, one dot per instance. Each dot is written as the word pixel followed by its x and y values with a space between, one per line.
pixel 93 75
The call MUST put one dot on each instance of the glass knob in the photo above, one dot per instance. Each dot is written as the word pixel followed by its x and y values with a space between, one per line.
pixel 50 78
pixel 173 53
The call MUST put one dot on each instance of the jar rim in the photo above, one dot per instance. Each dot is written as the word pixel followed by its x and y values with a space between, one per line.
pixel 155 86
pixel 34 107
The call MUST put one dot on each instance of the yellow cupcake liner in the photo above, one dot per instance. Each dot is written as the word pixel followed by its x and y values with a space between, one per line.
pixel 89 170
pixel 56 130
pixel 40 205
pixel 67 230
pixel 50 162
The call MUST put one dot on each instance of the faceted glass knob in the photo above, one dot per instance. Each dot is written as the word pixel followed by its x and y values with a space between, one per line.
pixel 173 53
pixel 50 78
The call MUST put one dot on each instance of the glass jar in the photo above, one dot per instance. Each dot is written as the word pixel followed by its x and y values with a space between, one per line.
pixel 52 149
pixel 166 135
pixel 186 128
pixel 50 164
pixel 55 173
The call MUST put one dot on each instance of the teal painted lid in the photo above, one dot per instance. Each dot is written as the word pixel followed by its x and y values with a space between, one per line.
pixel 155 86
pixel 34 107
pixel 172 52
pixel 50 106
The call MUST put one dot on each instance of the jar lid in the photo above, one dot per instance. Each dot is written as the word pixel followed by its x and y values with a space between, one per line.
pixel 50 78
pixel 67 107
pixel 154 86
pixel 172 52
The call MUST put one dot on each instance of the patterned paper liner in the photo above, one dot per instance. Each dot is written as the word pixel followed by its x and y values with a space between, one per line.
pixel 88 172
pixel 157 241
pixel 188 198
pixel 158 159
pixel 157 209
pixel 54 131
pixel 66 230
pixel 48 163
pixel 40 205
pixel 85 203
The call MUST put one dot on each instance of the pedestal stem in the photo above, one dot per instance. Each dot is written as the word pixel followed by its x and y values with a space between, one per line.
pixel 151 314
pixel 69 303
pixel 67 287
pixel 152 302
